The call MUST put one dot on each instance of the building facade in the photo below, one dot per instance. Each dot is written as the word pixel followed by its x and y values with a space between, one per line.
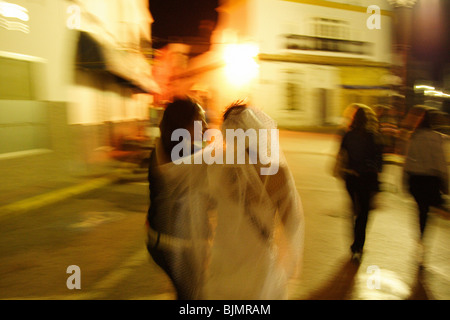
pixel 301 61
pixel 74 77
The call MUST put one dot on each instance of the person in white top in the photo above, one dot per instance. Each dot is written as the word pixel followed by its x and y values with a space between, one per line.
pixel 259 232
pixel 425 169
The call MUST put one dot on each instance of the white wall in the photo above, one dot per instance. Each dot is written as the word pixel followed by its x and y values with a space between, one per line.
pixel 271 92
pixel 96 99
pixel 119 21
pixel 276 18
pixel 267 21
pixel 48 41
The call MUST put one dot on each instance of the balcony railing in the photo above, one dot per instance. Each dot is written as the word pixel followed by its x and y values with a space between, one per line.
pixel 311 43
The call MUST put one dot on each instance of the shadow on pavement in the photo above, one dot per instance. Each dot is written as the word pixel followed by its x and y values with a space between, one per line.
pixel 341 283
pixel 418 291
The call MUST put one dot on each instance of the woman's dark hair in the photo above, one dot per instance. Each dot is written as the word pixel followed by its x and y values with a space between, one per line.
pixel 181 113
pixel 359 120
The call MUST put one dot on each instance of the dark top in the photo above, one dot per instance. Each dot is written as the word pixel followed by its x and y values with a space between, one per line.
pixel 155 187
pixel 364 153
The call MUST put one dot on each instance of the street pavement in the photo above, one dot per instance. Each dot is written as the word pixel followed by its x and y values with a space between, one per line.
pixel 389 268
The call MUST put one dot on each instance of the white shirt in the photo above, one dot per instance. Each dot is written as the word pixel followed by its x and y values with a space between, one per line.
pixel 425 155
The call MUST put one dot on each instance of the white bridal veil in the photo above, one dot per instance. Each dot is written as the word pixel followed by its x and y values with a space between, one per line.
pixel 229 231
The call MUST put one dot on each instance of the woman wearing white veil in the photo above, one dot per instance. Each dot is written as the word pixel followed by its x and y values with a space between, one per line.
pixel 258 238
pixel 225 230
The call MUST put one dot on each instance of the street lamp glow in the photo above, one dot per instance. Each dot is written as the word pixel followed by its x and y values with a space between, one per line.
pixel 436 93
pixel 11 10
pixel 240 64
pixel 424 87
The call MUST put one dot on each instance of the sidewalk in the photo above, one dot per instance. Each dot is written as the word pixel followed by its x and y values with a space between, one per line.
pixel 20 196
pixel 327 272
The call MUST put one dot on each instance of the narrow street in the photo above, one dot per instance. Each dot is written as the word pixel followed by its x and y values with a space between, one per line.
pixel 102 232
pixel 389 269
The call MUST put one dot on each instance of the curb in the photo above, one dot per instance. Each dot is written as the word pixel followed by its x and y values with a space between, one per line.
pixel 51 197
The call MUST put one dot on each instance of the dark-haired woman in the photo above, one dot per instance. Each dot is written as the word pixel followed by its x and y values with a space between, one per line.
pixel 364 156
pixel 175 235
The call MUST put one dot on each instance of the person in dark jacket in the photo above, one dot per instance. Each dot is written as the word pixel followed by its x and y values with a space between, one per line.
pixel 364 162
pixel 170 240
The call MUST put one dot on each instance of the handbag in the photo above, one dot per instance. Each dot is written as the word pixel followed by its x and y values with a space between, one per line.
pixel 341 166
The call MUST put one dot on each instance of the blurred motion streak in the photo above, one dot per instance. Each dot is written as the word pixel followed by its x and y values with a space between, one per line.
pixel 76 88
pixel 13 11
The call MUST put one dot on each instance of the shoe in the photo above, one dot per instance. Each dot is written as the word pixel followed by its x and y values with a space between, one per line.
pixel 357 256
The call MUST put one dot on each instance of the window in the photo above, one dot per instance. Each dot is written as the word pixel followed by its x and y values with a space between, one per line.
pixel 329 28
pixel 293 91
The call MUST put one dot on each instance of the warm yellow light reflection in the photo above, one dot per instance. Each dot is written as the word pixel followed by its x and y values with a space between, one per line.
pixel 241 66
pixel 436 93
pixel 424 87
pixel 13 11
pixel 10 10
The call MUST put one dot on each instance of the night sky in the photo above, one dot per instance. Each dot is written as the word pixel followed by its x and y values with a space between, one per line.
pixel 179 18
pixel 431 35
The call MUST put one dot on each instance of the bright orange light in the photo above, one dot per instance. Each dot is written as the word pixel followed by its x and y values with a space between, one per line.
pixel 241 66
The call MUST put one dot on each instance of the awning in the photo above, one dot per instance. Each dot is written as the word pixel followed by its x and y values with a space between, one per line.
pixel 93 54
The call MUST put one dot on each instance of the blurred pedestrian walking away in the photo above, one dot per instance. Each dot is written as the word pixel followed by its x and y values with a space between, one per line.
pixel 425 170
pixel 362 151
pixel 258 241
